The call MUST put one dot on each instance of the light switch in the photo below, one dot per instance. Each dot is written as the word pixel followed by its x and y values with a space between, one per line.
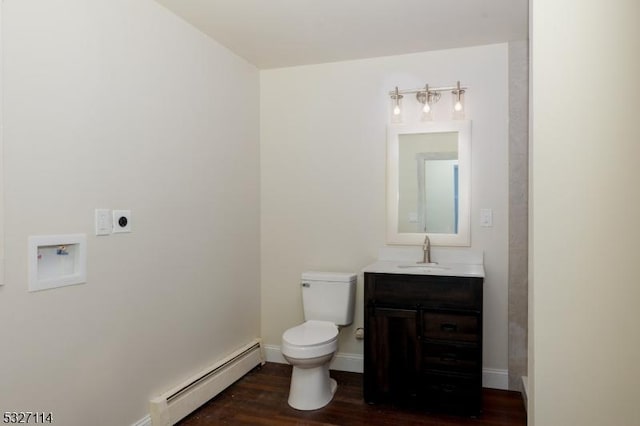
pixel 486 218
pixel 103 222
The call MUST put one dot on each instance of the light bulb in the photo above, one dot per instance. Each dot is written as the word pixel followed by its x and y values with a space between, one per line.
pixel 396 106
pixel 426 108
pixel 458 104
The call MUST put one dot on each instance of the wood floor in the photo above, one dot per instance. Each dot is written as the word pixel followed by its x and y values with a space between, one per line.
pixel 260 398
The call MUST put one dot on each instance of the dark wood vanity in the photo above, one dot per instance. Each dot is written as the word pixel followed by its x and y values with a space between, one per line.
pixel 423 341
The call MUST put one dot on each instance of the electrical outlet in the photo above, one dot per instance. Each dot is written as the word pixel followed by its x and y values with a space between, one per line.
pixel 121 221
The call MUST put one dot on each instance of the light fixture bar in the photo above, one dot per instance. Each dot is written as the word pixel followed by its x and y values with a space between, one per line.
pixel 427 96
pixel 432 89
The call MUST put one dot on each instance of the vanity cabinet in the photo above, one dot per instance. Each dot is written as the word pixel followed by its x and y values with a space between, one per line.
pixel 423 341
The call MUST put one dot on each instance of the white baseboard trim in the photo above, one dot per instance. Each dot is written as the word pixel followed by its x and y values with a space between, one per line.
pixel 491 377
pixel 495 379
pixel 342 361
pixel 146 421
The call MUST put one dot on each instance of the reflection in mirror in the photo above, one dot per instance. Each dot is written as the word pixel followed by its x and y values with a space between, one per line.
pixel 428 183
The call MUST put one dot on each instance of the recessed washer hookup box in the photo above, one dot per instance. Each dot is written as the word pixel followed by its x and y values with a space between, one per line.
pixel 57 261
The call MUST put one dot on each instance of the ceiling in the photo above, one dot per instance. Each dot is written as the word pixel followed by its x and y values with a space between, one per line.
pixel 281 33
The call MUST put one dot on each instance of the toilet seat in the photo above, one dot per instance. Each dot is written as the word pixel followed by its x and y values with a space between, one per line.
pixel 310 340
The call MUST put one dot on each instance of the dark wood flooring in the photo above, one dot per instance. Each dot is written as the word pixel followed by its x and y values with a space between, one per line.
pixel 260 398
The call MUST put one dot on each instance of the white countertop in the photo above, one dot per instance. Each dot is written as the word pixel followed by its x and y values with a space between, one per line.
pixel 413 268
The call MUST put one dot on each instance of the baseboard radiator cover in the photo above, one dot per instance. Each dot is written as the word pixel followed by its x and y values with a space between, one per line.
pixel 175 404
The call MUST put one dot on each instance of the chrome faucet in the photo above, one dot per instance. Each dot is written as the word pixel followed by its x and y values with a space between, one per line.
pixel 426 249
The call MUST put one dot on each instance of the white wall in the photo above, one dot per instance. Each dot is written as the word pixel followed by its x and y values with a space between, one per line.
pixel 585 206
pixel 119 104
pixel 323 139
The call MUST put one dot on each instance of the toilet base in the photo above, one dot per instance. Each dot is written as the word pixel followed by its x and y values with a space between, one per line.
pixel 311 388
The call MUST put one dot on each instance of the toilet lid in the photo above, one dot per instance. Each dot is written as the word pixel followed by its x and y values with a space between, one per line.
pixel 311 333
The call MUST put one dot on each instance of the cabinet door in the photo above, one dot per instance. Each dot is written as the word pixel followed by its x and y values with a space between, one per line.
pixel 392 354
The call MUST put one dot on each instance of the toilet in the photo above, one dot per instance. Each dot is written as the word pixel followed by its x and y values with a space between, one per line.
pixel 328 299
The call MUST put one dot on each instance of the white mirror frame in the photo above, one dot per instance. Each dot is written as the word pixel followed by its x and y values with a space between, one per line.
pixel 463 237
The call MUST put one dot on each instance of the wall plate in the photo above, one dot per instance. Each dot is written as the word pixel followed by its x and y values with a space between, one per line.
pixel 121 221
pixel 486 218
pixel 103 222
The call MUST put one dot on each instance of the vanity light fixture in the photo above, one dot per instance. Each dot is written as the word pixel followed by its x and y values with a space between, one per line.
pixel 427 97
pixel 396 106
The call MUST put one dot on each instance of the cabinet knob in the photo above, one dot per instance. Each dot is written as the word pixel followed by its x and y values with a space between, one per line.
pixel 449 358
pixel 449 327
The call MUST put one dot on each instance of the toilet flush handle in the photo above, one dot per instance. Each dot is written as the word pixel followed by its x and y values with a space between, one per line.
pixel 306 285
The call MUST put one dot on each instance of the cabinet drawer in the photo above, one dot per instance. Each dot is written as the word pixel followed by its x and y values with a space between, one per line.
pixel 455 393
pixel 451 326
pixel 430 291
pixel 450 358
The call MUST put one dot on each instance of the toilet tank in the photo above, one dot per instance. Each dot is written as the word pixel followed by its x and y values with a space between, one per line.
pixel 329 296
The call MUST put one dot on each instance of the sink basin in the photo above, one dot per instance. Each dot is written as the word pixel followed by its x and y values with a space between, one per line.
pixel 423 265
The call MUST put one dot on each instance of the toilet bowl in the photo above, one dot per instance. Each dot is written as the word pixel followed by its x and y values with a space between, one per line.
pixel 328 300
pixel 309 348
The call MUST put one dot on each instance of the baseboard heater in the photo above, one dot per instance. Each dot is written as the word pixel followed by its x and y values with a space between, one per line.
pixel 174 405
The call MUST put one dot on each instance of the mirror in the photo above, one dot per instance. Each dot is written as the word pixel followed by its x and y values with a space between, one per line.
pixel 428 183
